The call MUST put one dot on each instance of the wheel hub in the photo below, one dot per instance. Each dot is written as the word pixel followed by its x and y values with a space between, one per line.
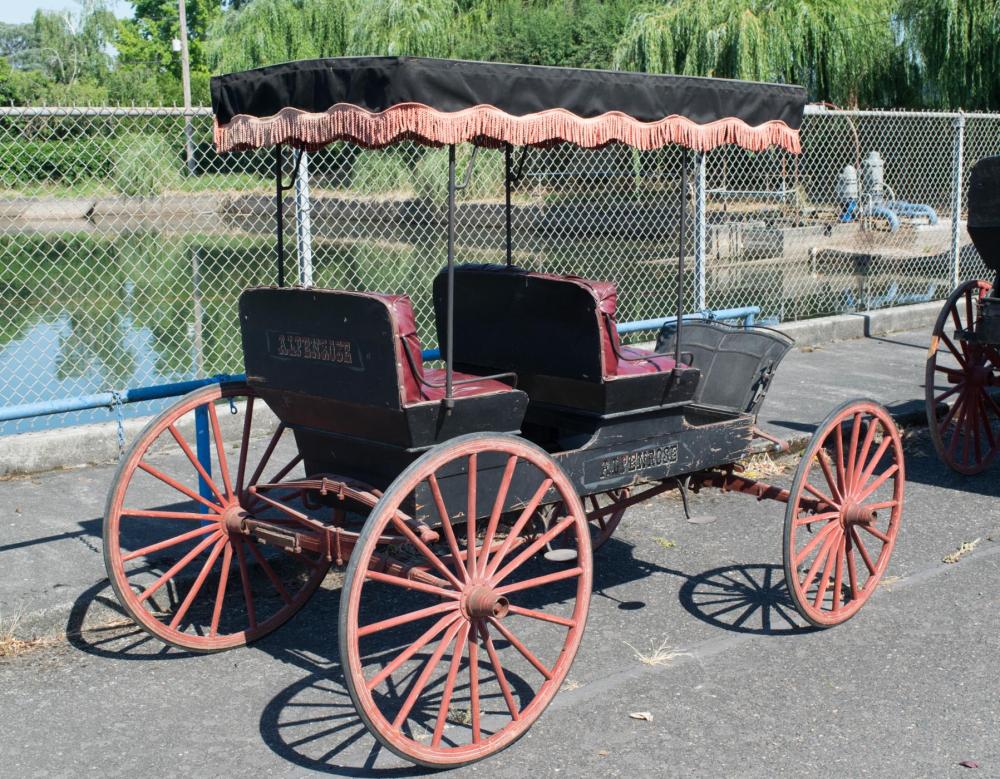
pixel 481 601
pixel 233 518
pixel 854 514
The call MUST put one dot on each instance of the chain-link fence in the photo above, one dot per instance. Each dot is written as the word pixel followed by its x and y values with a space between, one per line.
pixel 124 248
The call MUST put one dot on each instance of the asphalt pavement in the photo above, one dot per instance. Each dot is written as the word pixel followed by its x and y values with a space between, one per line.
pixel 907 688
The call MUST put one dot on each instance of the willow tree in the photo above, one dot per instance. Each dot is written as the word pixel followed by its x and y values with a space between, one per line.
pixel 420 28
pixel 264 32
pixel 844 51
pixel 954 48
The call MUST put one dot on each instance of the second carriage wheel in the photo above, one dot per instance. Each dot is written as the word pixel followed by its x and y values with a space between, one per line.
pixel 843 512
pixel 175 543
pixel 452 648
pixel 963 374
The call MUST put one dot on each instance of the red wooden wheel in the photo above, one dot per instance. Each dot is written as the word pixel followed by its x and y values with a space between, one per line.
pixel 843 513
pixel 605 512
pixel 174 550
pixel 451 650
pixel 963 374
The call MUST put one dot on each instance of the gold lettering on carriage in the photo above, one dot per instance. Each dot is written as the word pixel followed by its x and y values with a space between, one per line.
pixel 307 347
pixel 639 460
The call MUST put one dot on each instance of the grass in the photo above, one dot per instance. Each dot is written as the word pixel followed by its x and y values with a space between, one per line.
pixel 663 654
pixel 965 548
pixel 11 645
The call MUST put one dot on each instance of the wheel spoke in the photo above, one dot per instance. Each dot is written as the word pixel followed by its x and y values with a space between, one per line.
pixel 179 565
pixel 824 551
pixel 987 424
pixel 198 583
pixel 498 670
pixel 852 569
pixel 244 446
pixel 494 562
pixel 866 446
pixel 271 575
pixel 474 683
pixel 170 482
pixel 421 681
pixel 429 635
pixel 853 454
pixel 839 463
pixel 953 350
pixel 819 494
pixel 425 550
pixel 539 542
pixel 864 552
pixel 220 594
pixel 828 528
pixel 275 436
pixel 883 447
pixel 449 686
pixel 520 647
pixel 411 584
pixel 470 516
pixel 449 531
pixel 220 451
pixel 403 619
pixel 809 519
pixel 539 581
pixel 838 572
pixel 200 531
pixel 186 448
pixel 822 457
pixel 541 615
pixel 875 532
pixel 886 475
pixel 167 514
pixel 498 504
pixel 245 579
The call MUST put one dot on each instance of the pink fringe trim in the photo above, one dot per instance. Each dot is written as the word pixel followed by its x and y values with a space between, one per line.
pixel 489 126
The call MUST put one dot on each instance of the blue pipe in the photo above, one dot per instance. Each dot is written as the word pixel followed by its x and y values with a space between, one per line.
pixel 910 210
pixel 159 391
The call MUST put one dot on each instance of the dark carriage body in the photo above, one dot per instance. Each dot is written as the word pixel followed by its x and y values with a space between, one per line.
pixel 343 370
pixel 984 229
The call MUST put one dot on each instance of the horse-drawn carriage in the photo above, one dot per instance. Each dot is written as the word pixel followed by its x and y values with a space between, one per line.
pixel 466 501
pixel 963 362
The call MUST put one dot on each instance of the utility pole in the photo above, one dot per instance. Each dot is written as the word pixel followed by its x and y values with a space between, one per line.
pixel 186 85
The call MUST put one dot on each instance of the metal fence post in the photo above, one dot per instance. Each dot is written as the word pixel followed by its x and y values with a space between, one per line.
pixel 303 226
pixel 956 195
pixel 700 231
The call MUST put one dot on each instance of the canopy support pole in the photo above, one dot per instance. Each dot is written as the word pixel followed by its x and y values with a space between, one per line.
pixel 453 187
pixel 280 214
pixel 449 400
pixel 507 151
pixel 680 260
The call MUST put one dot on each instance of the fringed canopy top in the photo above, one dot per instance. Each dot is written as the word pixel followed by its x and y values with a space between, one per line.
pixel 378 101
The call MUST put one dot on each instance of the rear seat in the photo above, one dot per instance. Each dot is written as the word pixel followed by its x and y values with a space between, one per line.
pixel 558 333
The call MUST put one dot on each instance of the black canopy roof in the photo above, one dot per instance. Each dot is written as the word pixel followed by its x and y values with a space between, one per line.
pixel 376 101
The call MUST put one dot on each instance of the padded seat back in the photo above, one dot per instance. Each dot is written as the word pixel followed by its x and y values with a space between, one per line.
pixel 533 323
pixel 332 344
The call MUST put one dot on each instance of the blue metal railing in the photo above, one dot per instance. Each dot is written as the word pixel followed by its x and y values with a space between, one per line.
pixel 113 400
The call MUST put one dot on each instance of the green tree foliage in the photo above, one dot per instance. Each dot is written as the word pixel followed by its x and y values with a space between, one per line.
pixel 841 50
pixel 267 31
pixel 954 51
pixel 69 46
pixel 577 33
pixel 420 28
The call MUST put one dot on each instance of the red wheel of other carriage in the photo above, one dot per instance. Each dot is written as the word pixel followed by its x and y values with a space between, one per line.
pixel 843 513
pixel 963 374
pixel 452 650
pixel 173 546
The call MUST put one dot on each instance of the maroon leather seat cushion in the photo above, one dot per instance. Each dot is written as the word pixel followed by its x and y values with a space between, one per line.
pixel 419 387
